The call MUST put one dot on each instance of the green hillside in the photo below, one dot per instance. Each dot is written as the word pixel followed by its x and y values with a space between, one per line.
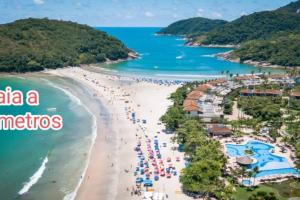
pixel 255 26
pixel 260 25
pixel 293 7
pixel 282 49
pixel 36 44
pixel 197 25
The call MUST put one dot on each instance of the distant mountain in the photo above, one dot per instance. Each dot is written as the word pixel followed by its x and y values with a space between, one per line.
pixel 197 25
pixel 293 7
pixel 36 44
pixel 254 26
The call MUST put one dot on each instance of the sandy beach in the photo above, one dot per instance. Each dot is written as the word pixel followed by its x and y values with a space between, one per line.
pixel 110 171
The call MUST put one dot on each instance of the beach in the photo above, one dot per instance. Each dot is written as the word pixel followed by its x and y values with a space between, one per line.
pixel 110 170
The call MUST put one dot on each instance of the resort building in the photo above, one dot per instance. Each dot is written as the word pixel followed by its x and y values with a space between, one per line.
pixel 248 80
pixel 204 87
pixel 247 92
pixel 191 107
pixel 194 95
pixel 218 82
pixel 281 79
pixel 219 130
pixel 295 95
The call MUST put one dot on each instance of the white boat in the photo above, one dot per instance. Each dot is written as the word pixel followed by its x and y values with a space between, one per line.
pixel 51 109
pixel 181 56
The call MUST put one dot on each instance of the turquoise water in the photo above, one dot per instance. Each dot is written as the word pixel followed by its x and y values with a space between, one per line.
pixel 166 57
pixel 22 153
pixel 246 182
pixel 268 163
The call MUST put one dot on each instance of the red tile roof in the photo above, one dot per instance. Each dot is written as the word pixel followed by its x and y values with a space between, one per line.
pixel 190 105
pixel 219 130
pixel 217 81
pixel 278 76
pixel 195 95
pixel 295 94
pixel 203 87
pixel 246 77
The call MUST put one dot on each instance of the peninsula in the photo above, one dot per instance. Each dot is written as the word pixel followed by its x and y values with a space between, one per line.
pixel 38 44
pixel 263 38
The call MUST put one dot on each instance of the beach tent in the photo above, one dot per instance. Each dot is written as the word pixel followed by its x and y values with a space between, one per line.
pixel 139 180
pixel 148 183
pixel 158 196
pixel 148 195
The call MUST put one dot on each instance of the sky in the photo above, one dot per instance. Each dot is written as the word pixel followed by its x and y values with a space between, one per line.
pixel 153 13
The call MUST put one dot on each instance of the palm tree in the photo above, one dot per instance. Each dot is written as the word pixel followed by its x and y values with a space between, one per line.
pixel 243 172
pixel 255 172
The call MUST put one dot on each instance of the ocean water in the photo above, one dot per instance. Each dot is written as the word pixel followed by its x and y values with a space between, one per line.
pixel 44 164
pixel 167 57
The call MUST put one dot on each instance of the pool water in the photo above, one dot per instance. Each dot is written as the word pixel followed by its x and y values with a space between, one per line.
pixel 246 182
pixel 268 163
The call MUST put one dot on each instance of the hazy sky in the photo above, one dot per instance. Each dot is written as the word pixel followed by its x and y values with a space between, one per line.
pixel 132 12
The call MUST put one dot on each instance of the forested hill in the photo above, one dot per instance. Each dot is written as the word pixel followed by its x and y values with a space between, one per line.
pixel 293 7
pixel 197 25
pixel 282 49
pixel 36 44
pixel 255 26
pixel 260 25
pixel 269 37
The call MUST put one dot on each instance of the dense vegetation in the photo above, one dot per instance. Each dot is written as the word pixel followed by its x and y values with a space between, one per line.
pixel 206 161
pixel 259 25
pixel 35 44
pixel 197 25
pixel 261 108
pixel 282 191
pixel 282 49
pixel 268 36
pixel 204 175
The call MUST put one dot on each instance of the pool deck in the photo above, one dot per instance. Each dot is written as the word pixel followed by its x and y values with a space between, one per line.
pixel 277 152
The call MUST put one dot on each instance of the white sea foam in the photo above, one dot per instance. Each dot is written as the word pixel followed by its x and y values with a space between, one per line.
pixel 69 94
pixel 209 56
pixel 72 195
pixel 190 75
pixel 20 77
pixel 34 178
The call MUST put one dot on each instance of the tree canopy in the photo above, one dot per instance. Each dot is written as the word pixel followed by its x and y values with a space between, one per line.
pixel 36 44
pixel 197 25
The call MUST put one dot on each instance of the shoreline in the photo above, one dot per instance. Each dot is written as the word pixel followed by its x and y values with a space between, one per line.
pixel 227 56
pixel 106 176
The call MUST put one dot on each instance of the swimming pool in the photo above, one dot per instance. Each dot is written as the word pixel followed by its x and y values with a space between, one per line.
pixel 268 163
